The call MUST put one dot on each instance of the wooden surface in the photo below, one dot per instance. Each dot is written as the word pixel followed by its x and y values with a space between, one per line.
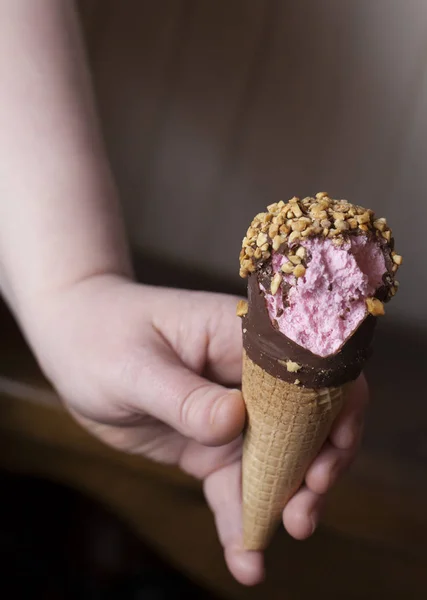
pixel 371 543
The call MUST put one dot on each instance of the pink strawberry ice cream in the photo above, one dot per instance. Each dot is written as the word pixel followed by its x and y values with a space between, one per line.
pixel 323 307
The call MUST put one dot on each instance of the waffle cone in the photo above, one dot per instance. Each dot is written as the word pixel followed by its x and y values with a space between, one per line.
pixel 287 425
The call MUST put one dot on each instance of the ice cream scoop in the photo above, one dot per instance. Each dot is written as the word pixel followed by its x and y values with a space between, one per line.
pixel 326 303
pixel 319 272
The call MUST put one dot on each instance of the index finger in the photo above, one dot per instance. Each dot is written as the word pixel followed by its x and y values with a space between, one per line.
pixel 224 352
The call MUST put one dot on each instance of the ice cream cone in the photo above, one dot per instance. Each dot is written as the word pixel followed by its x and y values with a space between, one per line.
pixel 287 425
pixel 319 271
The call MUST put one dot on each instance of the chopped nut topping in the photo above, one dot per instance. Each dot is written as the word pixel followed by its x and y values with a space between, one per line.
pixel 292 367
pixel 342 225
pixel 261 239
pixel 297 211
pixel 287 268
pixel 242 308
pixel 273 230
pixel 375 307
pixel 299 271
pixel 298 225
pixel 342 206
pixel 307 232
pixel 287 223
pixel 277 242
pixel 363 218
pixel 318 213
pixel 294 236
pixel 297 382
pixel 324 203
pixel 295 259
pixel 301 252
pixel 380 224
pixel 275 283
pixel 247 264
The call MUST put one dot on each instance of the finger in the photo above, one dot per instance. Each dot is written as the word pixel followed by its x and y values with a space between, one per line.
pixel 223 493
pixel 302 512
pixel 347 428
pixel 224 352
pixel 199 409
pixel 327 467
pixel 212 337
pixel 200 461
pixel 339 452
pixel 152 439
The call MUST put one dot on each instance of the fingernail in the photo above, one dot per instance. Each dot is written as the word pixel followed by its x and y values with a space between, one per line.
pixel 233 391
pixel 315 514
pixel 314 523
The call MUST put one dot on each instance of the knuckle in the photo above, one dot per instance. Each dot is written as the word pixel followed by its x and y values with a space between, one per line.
pixel 194 411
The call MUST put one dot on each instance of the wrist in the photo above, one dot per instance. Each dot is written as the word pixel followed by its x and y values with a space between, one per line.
pixel 55 323
pixel 28 300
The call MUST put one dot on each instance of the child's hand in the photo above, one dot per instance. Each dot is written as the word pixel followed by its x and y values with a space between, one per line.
pixel 135 365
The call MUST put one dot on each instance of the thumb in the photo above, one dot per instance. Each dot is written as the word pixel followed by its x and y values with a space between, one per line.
pixel 199 409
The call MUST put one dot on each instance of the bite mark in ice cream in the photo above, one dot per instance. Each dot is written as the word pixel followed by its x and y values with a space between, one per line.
pixel 325 306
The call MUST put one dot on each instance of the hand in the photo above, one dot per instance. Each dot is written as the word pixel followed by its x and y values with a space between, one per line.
pixel 147 370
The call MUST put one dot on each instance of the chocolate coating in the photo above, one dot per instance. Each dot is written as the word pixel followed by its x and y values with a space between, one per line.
pixel 270 349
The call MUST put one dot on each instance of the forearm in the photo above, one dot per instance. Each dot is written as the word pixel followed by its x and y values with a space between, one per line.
pixel 60 219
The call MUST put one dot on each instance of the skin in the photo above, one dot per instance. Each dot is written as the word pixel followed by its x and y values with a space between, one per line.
pixel 147 370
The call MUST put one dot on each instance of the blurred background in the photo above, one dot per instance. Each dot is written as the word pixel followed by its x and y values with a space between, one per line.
pixel 211 110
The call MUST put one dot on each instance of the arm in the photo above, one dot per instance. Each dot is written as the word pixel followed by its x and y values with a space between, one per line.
pixel 101 340
pixel 60 220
